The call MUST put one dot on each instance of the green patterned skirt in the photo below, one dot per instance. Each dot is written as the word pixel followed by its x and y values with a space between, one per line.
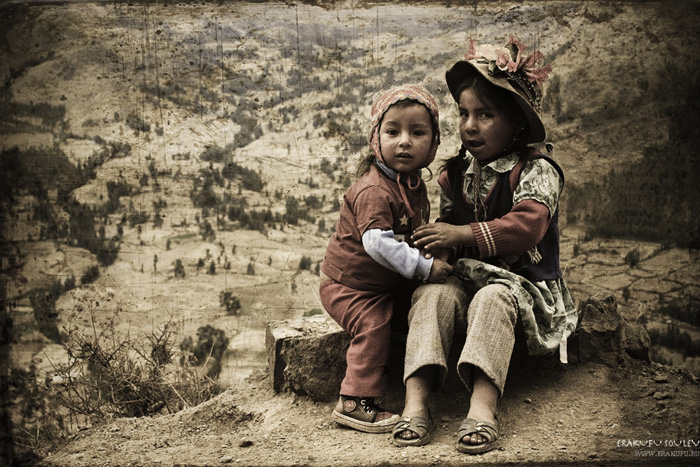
pixel 546 308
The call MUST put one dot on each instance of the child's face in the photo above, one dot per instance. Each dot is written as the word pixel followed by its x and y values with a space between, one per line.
pixel 486 131
pixel 406 137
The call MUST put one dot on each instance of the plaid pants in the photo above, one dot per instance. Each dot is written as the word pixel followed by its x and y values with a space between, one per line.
pixel 440 310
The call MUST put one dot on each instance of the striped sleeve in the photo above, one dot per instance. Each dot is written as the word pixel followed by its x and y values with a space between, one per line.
pixel 515 233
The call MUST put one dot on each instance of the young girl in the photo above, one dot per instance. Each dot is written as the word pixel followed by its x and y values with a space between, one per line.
pixel 367 267
pixel 498 221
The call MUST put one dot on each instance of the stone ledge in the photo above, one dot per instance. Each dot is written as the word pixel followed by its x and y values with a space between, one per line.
pixel 307 355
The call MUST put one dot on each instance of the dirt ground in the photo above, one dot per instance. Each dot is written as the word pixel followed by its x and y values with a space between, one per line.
pixel 588 414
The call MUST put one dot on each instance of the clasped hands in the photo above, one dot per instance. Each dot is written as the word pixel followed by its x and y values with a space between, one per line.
pixel 436 241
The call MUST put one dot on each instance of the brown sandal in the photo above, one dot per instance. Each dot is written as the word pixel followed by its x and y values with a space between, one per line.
pixel 360 413
pixel 422 426
pixel 471 426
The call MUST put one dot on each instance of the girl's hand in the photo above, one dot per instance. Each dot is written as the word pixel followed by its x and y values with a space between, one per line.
pixel 440 253
pixel 442 235
pixel 439 271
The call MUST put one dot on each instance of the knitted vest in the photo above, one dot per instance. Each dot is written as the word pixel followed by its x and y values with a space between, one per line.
pixel 498 204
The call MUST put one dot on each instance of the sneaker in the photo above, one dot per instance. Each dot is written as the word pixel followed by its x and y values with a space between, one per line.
pixel 361 414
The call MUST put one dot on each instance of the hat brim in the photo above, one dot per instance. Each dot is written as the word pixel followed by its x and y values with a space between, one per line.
pixel 465 69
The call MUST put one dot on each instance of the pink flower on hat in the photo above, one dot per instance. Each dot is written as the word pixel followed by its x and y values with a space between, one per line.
pixel 510 58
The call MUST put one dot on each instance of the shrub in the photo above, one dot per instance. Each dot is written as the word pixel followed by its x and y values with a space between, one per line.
pixel 207 231
pixel 230 302
pixel 209 349
pixel 90 275
pixel 104 376
pixel 313 312
pixel 137 124
pixel 688 312
pixel 127 378
pixel 633 257
pixel 293 212
pixel 45 315
pixel 108 253
pixel 213 154
pixel 138 218
pixel 305 263
pixel 179 269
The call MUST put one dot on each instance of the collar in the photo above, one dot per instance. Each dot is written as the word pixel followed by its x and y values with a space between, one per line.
pixel 389 172
pixel 412 180
pixel 501 165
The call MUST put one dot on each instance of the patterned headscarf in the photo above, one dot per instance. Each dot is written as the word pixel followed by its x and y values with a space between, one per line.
pixel 385 99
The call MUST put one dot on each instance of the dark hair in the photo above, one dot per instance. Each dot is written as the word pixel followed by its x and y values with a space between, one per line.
pixel 502 99
pixel 369 159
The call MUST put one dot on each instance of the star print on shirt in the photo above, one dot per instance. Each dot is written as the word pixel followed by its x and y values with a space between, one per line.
pixel 404 220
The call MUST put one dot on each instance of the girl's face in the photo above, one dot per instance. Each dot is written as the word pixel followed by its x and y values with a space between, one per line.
pixel 486 131
pixel 406 137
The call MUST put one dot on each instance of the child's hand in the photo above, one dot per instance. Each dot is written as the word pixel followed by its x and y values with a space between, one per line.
pixel 442 235
pixel 439 271
pixel 440 253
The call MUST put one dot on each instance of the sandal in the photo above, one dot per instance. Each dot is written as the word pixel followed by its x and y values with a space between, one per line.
pixel 360 413
pixel 422 426
pixel 471 426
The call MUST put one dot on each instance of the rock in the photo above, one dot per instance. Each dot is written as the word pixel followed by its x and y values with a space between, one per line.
pixel 307 356
pixel 636 341
pixel 660 379
pixel 603 336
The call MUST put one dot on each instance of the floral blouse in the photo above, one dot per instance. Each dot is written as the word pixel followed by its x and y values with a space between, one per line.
pixel 538 180
pixel 546 308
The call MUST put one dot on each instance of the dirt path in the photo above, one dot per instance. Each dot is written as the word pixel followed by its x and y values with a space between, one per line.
pixel 589 414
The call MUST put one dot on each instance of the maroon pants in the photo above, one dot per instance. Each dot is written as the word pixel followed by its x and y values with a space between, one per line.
pixel 367 317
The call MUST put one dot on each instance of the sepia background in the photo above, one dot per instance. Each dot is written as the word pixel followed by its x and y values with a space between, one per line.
pixel 171 172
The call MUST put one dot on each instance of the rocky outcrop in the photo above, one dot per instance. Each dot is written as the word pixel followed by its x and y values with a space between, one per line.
pixel 603 335
pixel 307 355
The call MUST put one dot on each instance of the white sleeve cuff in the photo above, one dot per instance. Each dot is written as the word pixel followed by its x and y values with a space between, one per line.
pixel 382 246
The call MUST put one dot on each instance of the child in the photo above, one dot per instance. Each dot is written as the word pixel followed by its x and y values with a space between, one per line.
pixel 499 216
pixel 367 266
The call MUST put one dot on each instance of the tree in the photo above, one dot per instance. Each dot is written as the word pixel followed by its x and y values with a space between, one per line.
pixel 305 263
pixel 230 302
pixel 179 269
pixel 207 231
pixel 293 212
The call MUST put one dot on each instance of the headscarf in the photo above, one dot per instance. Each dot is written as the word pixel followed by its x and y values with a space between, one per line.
pixel 382 101
pixel 385 99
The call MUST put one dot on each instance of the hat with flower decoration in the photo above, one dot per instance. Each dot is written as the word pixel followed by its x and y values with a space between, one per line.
pixel 383 100
pixel 508 68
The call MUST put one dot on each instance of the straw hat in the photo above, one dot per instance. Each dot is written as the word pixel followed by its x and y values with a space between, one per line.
pixel 508 68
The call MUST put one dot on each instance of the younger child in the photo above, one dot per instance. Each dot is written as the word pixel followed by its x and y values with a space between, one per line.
pixel 370 263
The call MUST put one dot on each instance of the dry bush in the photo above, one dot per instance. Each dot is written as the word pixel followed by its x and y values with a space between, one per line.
pixel 105 375
pixel 108 376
